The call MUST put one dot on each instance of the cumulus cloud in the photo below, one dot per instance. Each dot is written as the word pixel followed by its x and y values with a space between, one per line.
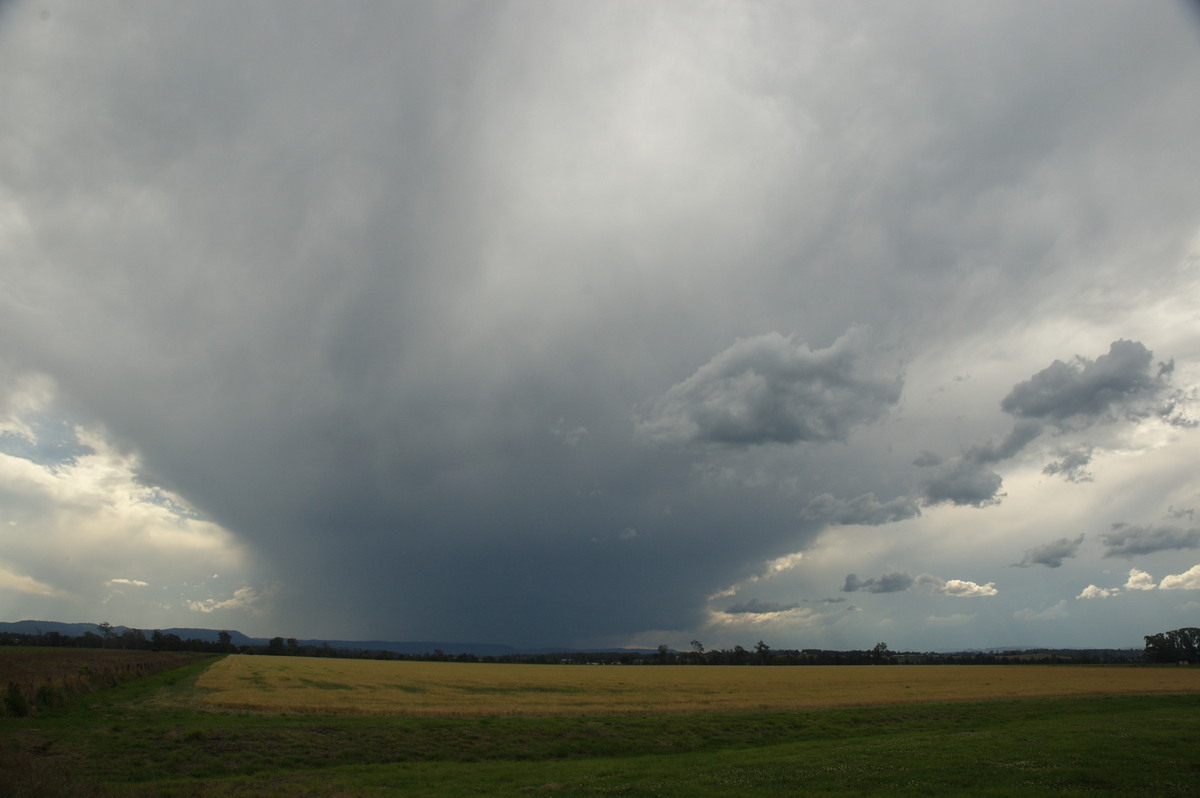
pixel 1077 393
pixel 898 582
pixel 1051 554
pixel 1130 541
pixel 1139 580
pixel 958 588
pixel 1072 464
pixel 963 482
pixel 888 583
pixel 866 509
pixel 1188 580
pixel 772 389
pixel 1085 388
pixel 244 598
pixel 968 479
pixel 1054 613
pixel 1094 592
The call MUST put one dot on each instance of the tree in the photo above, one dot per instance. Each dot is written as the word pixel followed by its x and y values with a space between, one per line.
pixel 106 631
pixel 275 646
pixel 762 653
pixel 880 652
pixel 225 641
pixel 133 638
pixel 1177 645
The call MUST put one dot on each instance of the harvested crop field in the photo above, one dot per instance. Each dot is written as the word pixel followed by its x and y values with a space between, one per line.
pixel 312 685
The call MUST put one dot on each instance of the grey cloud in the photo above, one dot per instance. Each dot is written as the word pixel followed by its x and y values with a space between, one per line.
pixel 900 582
pixel 1072 464
pixel 1051 554
pixel 771 389
pixel 966 480
pixel 962 483
pixel 865 509
pixel 895 582
pixel 1023 432
pixel 1083 387
pixel 756 607
pixel 927 459
pixel 1130 541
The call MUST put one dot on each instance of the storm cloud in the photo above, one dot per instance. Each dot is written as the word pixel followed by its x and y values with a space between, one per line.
pixel 555 324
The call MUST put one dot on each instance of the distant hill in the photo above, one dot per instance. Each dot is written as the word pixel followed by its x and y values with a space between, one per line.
pixel 239 639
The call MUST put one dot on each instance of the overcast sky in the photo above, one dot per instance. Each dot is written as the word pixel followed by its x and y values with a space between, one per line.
pixel 603 324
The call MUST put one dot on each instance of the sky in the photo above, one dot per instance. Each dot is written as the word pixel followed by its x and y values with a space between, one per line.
pixel 603 324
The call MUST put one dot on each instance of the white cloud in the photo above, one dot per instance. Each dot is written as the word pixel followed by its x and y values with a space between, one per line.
pixel 1139 580
pixel 244 598
pixel 959 588
pixel 789 618
pixel 770 570
pixel 1094 592
pixel 780 565
pixel 127 582
pixel 1188 580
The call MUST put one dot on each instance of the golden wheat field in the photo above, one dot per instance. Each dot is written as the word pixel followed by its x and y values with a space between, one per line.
pixel 314 685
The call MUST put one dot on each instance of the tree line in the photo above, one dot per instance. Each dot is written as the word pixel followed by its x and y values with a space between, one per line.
pixel 1179 645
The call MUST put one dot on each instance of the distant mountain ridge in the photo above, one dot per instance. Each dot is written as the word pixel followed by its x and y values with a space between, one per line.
pixel 239 639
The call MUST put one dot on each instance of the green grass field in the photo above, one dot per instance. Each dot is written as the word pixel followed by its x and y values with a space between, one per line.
pixel 160 735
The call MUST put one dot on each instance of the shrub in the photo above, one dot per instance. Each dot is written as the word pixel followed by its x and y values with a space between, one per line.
pixel 15 702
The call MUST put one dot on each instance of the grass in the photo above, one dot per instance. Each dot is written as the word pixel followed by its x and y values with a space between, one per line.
pixel 328 686
pixel 162 735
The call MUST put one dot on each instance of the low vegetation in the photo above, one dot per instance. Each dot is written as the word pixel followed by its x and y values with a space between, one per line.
pixel 443 689
pixel 168 734
pixel 41 677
